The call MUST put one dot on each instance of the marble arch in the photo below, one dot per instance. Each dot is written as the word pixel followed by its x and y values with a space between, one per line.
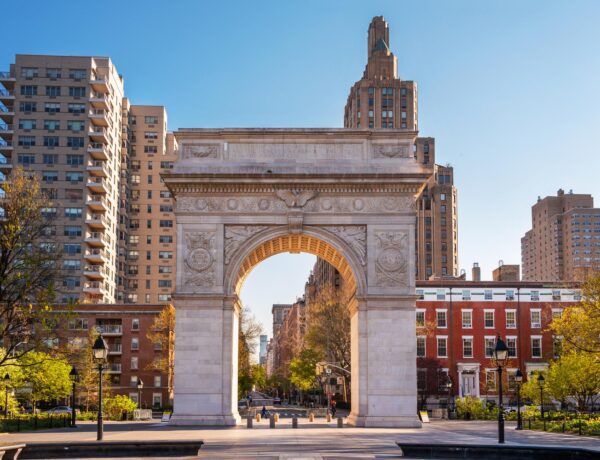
pixel 348 196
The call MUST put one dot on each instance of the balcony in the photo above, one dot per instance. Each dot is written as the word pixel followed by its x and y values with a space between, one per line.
pixel 97 185
pixel 99 135
pixel 7 80
pixel 99 117
pixel 7 113
pixel 6 132
pixel 115 349
pixel 94 272
pixel 97 168
pixel 97 221
pixel 114 368
pixel 98 151
pixel 99 84
pixel 99 100
pixel 110 329
pixel 6 95
pixel 5 165
pixel 97 203
pixel 93 288
pixel 6 147
pixel 95 239
pixel 94 256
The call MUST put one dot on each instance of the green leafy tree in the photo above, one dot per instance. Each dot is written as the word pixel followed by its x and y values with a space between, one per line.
pixel 579 325
pixel 248 334
pixel 47 377
pixel 259 376
pixel 115 406
pixel 163 332
pixel 576 375
pixel 303 369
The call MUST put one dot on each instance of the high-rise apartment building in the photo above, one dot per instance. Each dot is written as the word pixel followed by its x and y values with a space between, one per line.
pixel 564 241
pixel 381 100
pixel 66 119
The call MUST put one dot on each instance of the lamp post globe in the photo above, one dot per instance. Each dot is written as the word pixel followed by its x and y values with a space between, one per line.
pixel 74 376
pixel 100 353
pixel 541 381
pixel 519 380
pixel 500 356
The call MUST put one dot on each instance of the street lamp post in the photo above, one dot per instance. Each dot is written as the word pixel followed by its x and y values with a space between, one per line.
pixel 73 375
pixel 449 387
pixel 500 356
pixel 140 385
pixel 541 382
pixel 100 350
pixel 518 380
pixel 6 380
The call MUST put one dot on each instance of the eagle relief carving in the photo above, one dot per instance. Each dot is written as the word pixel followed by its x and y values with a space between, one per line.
pixel 391 263
pixel 199 259
pixel 296 198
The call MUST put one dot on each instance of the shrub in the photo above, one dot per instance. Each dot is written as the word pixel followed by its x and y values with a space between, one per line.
pixel 116 405
pixel 470 407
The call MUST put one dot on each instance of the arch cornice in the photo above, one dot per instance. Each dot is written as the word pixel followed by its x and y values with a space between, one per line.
pixel 332 248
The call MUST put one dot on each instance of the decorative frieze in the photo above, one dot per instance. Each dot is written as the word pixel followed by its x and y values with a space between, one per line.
pixel 355 236
pixel 297 152
pixel 390 151
pixel 236 235
pixel 194 151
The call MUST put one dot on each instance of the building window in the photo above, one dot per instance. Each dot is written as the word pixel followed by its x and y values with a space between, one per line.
pixel 79 324
pixel 53 73
pixel 467 319
pixel 74 177
pixel 77 74
pixel 440 316
pixel 73 212
pixel 72 230
pixel 421 379
pixel 166 224
pixel 134 363
pixel 76 108
pixel 511 319
pixel 165 254
pixel 77 91
pixel 420 314
pixel 511 343
pixel 69 264
pixel 51 107
pixel 488 295
pixel 490 345
pixel 420 346
pixel 488 316
pixel 442 347
pixel 467 347
pixel 536 347
pixel 466 294
pixel 535 295
pixel 75 125
pixel 150 120
pixel 27 106
pixel 490 379
pixel 441 294
pixel 536 318
pixel 72 248
pixel 52 91
pixel 164 297
pixel 165 194
pixel 135 343
pixel 75 142
pixel 165 269
pixel 135 324
pixel 29 72
pixel 27 141
pixel 165 239
pixel 157 381
pixel 29 90
pixel 26 160
pixel 557 313
pixel 150 149
pixel 556 295
pixel 156 400
pixel 49 213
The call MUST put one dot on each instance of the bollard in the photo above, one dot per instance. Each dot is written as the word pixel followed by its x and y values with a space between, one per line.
pixel 311 417
pixel 340 422
pixel 529 423
pixel 249 422
pixel 328 417
pixel 272 421
pixel 276 417
pixel 258 416
pixel 294 422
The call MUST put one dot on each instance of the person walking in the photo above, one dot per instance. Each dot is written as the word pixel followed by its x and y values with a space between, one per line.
pixel 263 412
pixel 333 408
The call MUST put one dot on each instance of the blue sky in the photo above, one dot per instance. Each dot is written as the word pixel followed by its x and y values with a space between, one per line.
pixel 509 89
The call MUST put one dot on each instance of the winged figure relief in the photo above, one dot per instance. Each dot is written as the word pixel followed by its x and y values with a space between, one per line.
pixel 296 198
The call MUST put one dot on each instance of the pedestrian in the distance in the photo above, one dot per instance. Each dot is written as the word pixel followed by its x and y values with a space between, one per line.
pixel 263 412
pixel 333 408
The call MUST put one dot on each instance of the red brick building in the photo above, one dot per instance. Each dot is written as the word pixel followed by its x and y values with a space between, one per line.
pixel 125 328
pixel 457 326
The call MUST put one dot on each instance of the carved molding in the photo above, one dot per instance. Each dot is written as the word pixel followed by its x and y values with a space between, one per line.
pixel 355 236
pixel 391 262
pixel 276 205
pixel 199 261
pixel 296 198
pixel 236 235
pixel 390 151
pixel 190 151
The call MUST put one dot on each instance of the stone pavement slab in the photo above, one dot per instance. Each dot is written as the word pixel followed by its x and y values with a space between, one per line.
pixel 318 440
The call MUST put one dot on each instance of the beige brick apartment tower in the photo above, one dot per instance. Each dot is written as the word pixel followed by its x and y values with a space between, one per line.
pixel 382 100
pixel 564 241
pixel 66 119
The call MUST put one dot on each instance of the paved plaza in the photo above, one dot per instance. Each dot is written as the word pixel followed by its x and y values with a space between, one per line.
pixel 310 441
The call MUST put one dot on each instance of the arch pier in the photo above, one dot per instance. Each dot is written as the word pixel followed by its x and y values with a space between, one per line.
pixel 347 196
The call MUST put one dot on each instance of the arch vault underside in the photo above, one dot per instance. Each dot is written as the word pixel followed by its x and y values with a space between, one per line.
pixel 346 196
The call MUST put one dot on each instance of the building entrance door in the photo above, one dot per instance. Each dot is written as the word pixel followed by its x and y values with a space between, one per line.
pixel 468 385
